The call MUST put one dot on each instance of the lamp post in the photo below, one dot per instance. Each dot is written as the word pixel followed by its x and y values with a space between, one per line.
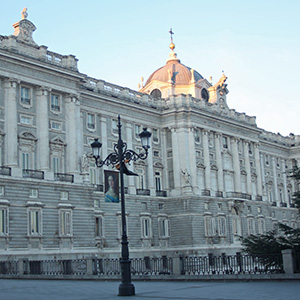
pixel 118 158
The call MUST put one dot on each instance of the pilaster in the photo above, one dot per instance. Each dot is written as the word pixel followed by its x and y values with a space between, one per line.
pixel 206 160
pixel 236 165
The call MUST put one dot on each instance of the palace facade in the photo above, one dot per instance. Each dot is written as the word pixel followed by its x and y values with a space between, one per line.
pixel 211 175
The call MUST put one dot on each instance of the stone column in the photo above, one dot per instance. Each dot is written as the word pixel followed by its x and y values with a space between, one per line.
pixel 285 192
pixel 192 158
pixel 236 165
pixel 131 185
pixel 42 124
pixel 259 166
pixel 275 187
pixel 176 159
pixel 206 160
pixel 165 181
pixel 71 128
pixel 263 178
pixel 247 166
pixel 10 123
pixel 219 162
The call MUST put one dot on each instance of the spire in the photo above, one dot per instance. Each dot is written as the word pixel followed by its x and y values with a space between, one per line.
pixel 172 55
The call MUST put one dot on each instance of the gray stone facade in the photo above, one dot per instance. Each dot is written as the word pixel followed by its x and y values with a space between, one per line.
pixel 211 174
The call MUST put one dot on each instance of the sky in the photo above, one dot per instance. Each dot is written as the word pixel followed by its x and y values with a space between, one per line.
pixel 256 43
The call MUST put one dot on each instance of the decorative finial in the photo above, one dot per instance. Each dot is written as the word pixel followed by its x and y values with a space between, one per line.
pixel 172 45
pixel 24 13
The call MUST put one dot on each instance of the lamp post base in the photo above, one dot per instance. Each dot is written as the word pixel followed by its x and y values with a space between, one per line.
pixel 126 289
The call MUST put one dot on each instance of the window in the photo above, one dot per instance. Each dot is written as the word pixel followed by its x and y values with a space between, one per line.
pixel 158 181
pixel 64 195
pixel 261 226
pixel 25 96
pixel 91 121
pixel 55 103
pixel 34 221
pixel 34 193
pixel 55 125
pixel 197 135
pixel 140 179
pixel 99 226
pixel 26 120
pixel 92 173
pixel 146 227
pixel 222 226
pixel 65 217
pixel 225 142
pixel 55 164
pixel 163 227
pixel 114 126
pixel 155 136
pixel 208 226
pixel 2 190
pixel 137 130
pixel 251 226
pixel 25 161
pixel 3 220
pixel 156 153
pixel 250 149
pixel 267 159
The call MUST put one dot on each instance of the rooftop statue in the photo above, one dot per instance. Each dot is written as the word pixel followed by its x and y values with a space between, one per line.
pixel 24 13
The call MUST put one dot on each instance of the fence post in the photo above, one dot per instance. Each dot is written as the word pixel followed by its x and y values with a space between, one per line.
pixel 89 266
pixel 20 266
pixel 288 261
pixel 176 265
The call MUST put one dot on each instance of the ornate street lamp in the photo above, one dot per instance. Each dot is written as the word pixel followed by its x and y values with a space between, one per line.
pixel 118 158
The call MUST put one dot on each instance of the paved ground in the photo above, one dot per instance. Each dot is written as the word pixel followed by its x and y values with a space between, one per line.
pixel 13 289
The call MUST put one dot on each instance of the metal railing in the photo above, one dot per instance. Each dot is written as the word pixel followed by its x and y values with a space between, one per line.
pixel 144 192
pixel 239 195
pixel 33 174
pixel 235 264
pixel 64 177
pixel 9 267
pixel 5 171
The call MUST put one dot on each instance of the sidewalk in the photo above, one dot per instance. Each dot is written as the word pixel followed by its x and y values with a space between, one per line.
pixel 15 289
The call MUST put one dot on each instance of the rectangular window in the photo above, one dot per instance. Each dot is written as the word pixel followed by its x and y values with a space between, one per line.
pixel 164 227
pixel 91 121
pixel 225 142
pixel 197 135
pixel 25 96
pixel 251 226
pixel 25 161
pixel 137 130
pixel 156 153
pixel 208 226
pixel 99 226
pixel 34 220
pixel 92 172
pixel 261 226
pixel 64 195
pixel 114 126
pixel 146 227
pixel 55 164
pixel 55 103
pixel 34 193
pixel 157 181
pixel 250 149
pixel 65 222
pixel 26 120
pixel 222 226
pixel 154 135
pixel 3 220
pixel 140 179
pixel 55 125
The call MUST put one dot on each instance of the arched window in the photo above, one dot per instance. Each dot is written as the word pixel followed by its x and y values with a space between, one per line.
pixel 156 93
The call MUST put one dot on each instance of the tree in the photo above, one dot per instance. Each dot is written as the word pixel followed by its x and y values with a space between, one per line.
pixel 296 196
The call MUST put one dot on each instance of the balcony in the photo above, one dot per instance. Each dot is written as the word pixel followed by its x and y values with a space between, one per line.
pixel 205 192
pixel 5 171
pixel 219 194
pixel 99 187
pixel 258 198
pixel 283 204
pixel 144 192
pixel 274 204
pixel 64 177
pixel 33 174
pixel 161 193
pixel 239 195
pixel 292 205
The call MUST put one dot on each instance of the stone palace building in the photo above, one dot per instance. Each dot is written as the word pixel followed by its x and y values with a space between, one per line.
pixel 211 175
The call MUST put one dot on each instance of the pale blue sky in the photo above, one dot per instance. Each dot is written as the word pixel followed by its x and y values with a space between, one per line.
pixel 256 43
